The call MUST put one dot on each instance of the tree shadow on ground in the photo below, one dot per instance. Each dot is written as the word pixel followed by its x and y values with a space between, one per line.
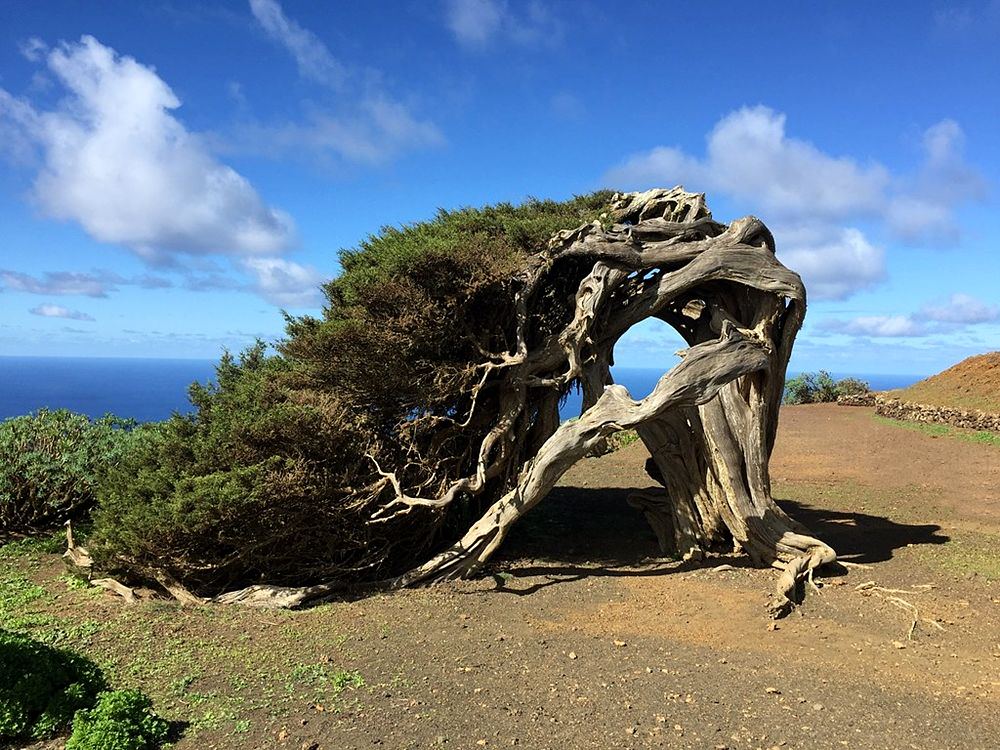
pixel 579 532
pixel 860 537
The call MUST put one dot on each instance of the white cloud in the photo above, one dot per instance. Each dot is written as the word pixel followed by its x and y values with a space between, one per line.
pixel 474 22
pixel 57 283
pixel 968 20
pixel 380 130
pixel 478 23
pixel 812 198
pixel 368 126
pixel 285 283
pixel 57 311
pixel 959 313
pixel 923 211
pixel 749 156
pixel 311 56
pixel 961 309
pixel 33 49
pixel 115 160
pixel 877 326
pixel 834 262
pixel 75 283
pixel 19 124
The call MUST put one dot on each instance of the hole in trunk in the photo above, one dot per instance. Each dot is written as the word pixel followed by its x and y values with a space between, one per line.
pixel 644 353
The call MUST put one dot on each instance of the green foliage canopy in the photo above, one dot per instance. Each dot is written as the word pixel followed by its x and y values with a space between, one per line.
pixel 275 478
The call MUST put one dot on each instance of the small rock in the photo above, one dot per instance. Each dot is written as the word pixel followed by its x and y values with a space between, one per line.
pixel 898 644
pixel 571 654
pixel 631 730
pixel 817 706
pixel 620 644
pixel 772 691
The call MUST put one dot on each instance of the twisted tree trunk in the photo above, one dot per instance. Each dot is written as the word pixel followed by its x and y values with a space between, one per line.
pixel 710 422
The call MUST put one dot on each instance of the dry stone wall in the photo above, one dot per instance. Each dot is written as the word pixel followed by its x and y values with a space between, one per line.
pixel 893 408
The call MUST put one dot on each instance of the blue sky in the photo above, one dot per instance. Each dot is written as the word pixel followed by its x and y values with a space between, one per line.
pixel 173 174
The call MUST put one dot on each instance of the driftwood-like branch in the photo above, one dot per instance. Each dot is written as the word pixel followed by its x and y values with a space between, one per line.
pixel 710 422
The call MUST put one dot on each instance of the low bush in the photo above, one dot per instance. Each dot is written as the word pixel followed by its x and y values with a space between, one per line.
pixel 249 486
pixel 49 466
pixel 121 720
pixel 816 388
pixel 42 687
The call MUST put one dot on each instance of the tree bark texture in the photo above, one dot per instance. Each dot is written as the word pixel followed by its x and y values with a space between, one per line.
pixel 710 422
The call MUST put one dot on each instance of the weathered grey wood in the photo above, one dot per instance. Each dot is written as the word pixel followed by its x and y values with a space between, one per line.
pixel 115 587
pixel 710 422
pixel 276 597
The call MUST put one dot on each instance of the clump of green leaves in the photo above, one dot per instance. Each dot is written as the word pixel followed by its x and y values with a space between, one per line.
pixel 417 305
pixel 49 466
pixel 42 687
pixel 274 476
pixel 816 388
pixel 248 486
pixel 121 720
pixel 622 439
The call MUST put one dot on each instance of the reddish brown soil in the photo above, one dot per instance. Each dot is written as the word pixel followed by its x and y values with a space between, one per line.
pixel 973 383
pixel 584 638
pixel 592 642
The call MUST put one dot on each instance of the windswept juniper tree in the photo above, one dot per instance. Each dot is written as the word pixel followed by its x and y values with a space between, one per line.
pixel 417 420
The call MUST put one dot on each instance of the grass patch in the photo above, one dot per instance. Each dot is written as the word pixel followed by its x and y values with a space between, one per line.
pixel 32 548
pixel 965 555
pixel 325 682
pixel 982 437
pixel 226 673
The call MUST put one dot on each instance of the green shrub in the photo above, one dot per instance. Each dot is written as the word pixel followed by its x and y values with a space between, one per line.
pixel 274 476
pixel 817 388
pixel 248 486
pixel 49 464
pixel 852 387
pixel 121 720
pixel 42 687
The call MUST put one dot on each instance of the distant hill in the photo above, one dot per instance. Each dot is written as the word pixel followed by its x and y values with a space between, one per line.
pixel 973 383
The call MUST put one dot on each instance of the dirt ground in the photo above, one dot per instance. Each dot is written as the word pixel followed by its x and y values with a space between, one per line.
pixel 584 638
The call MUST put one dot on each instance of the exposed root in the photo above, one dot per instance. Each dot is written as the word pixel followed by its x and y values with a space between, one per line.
pixel 787 591
pixel 871 587
pixel 115 587
pixel 176 589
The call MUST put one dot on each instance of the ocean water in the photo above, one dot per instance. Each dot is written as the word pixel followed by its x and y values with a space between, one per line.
pixel 144 389
pixel 152 389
